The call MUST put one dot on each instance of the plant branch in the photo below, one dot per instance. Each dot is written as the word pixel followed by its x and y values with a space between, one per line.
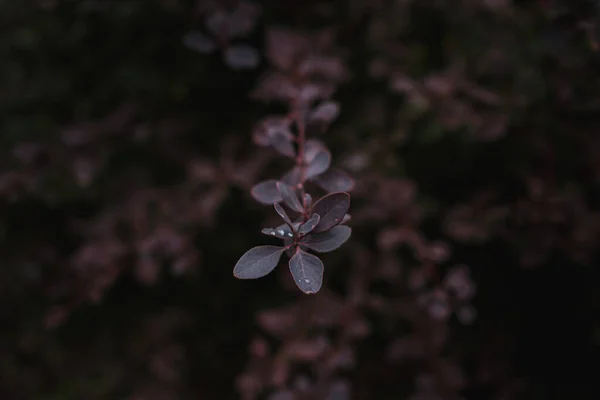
pixel 301 139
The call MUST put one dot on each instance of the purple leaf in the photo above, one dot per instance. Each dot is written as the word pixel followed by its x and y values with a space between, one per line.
pixel 266 192
pixel 283 144
pixel 243 18
pixel 317 158
pixel 199 42
pixel 289 231
pixel 326 112
pixel 283 231
pixel 319 164
pixel 328 241
pixel 218 23
pixel 274 86
pixel 311 92
pixel 330 68
pixel 257 262
pixel 346 219
pixel 307 271
pixel 272 232
pixel 309 225
pixel 334 180
pixel 332 208
pixel 283 214
pixel 292 177
pixel 291 250
pixel 283 46
pixel 289 196
pixel 269 128
pixel 241 56
pixel 311 148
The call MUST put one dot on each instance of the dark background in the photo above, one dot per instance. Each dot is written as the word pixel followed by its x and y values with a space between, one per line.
pixel 120 221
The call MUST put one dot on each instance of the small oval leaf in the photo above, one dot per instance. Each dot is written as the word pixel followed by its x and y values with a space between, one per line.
pixel 309 225
pixel 307 271
pixel 346 219
pixel 334 180
pixel 319 164
pixel 241 57
pixel 270 127
pixel 283 214
pixel 199 42
pixel 283 231
pixel 328 241
pixel 312 148
pixel 292 177
pixel 290 196
pixel 316 157
pixel 266 192
pixel 258 262
pixel 332 209
pixel 283 145
pixel 326 112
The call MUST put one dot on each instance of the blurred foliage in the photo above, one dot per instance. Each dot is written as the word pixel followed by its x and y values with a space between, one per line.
pixel 126 160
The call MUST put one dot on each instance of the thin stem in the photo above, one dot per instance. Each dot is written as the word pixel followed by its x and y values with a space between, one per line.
pixel 301 139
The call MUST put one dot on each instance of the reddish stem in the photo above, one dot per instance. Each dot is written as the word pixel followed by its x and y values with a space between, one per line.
pixel 300 139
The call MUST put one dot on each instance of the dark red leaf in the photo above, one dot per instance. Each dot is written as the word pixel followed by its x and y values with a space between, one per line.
pixel 330 68
pixel 243 18
pixel 275 87
pixel 270 127
pixel 309 225
pixel 307 271
pixel 334 180
pixel 346 219
pixel 292 177
pixel 241 56
pixel 317 158
pixel 311 148
pixel 319 164
pixel 290 196
pixel 282 232
pixel 283 214
pixel 328 241
pixel 326 112
pixel 283 47
pixel 258 262
pixel 217 23
pixel 266 192
pixel 199 42
pixel 311 92
pixel 291 250
pixel 332 209
pixel 283 144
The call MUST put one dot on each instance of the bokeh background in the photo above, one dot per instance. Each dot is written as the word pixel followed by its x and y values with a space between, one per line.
pixel 126 158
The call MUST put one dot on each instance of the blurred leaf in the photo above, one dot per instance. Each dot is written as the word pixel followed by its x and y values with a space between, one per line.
pixel 266 192
pixel 334 180
pixel 242 57
pixel 200 42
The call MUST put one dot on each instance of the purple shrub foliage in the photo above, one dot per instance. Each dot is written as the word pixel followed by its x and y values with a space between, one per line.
pixel 424 175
